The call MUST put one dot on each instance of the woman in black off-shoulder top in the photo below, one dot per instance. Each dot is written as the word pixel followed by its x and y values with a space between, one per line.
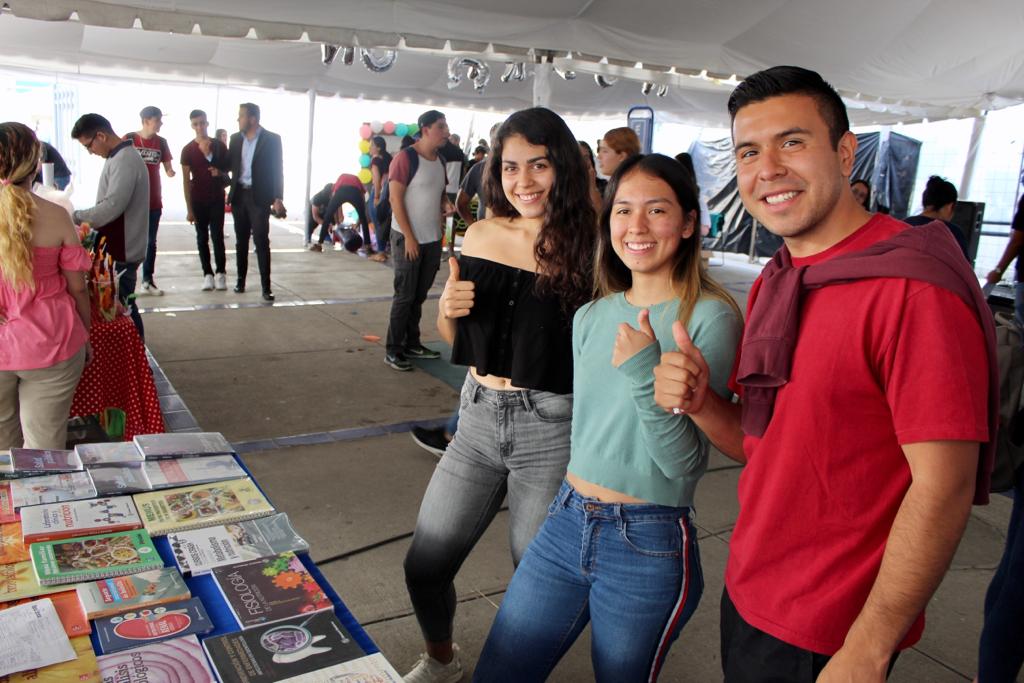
pixel 507 310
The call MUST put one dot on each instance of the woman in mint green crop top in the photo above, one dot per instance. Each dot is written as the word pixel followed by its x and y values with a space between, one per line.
pixel 618 549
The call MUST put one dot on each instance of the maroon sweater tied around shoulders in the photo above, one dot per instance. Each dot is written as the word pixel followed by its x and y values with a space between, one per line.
pixel 928 253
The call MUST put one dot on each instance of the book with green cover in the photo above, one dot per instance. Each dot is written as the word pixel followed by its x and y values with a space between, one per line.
pixel 200 506
pixel 93 557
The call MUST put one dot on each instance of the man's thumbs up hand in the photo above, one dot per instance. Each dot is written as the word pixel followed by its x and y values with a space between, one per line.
pixel 681 379
pixel 457 297
pixel 629 341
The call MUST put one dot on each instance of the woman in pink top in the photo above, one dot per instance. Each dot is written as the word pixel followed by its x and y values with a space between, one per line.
pixel 44 306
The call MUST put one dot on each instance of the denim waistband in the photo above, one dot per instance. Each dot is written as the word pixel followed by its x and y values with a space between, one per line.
pixel 568 497
pixel 503 397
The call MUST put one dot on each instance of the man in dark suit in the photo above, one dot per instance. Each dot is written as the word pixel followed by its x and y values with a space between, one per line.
pixel 257 186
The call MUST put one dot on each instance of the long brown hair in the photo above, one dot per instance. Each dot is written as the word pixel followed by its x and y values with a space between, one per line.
pixel 690 279
pixel 564 249
pixel 19 160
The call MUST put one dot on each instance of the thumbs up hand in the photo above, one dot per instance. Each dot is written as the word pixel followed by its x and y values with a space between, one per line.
pixel 457 297
pixel 629 341
pixel 681 379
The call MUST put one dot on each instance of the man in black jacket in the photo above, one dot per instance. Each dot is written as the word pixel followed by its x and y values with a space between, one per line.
pixel 257 188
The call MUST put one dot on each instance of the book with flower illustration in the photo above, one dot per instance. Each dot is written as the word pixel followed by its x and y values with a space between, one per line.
pixel 200 550
pixel 78 518
pixel 183 445
pixel 12 544
pixel 200 506
pixel 144 590
pixel 69 610
pixel 110 453
pixel 270 589
pixel 164 474
pixel 82 669
pixel 93 557
pixel 50 488
pixel 180 660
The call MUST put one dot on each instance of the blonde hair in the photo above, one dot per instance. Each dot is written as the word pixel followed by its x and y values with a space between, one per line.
pixel 19 160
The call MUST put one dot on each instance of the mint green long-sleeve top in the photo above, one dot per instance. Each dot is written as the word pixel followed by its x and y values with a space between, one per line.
pixel 621 439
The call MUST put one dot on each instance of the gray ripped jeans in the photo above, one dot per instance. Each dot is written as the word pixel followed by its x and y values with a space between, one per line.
pixel 508 442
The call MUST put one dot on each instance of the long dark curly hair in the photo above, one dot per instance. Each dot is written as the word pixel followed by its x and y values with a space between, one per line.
pixel 565 246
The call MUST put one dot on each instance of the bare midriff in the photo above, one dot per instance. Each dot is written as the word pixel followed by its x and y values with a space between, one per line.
pixel 605 495
pixel 496 383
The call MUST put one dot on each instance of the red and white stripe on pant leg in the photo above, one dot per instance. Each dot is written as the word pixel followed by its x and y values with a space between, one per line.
pixel 677 611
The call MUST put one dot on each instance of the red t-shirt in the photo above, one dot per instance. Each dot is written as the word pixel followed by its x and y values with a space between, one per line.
pixel 879 363
pixel 349 180
pixel 154 152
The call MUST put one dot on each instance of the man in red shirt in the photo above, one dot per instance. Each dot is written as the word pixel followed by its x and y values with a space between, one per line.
pixel 856 492
pixel 154 151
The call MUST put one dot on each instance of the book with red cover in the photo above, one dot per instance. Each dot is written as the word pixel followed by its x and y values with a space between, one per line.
pixel 7 511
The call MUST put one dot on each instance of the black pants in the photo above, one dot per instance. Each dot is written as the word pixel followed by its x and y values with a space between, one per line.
pixel 750 655
pixel 251 220
pixel 346 194
pixel 126 281
pixel 209 221
pixel 413 280
pixel 311 226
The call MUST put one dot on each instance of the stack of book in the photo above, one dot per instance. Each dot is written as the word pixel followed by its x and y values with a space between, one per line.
pixel 85 594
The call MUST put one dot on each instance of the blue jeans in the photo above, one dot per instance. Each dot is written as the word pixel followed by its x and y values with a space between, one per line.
pixel 514 442
pixel 149 265
pixel 1001 655
pixel 632 571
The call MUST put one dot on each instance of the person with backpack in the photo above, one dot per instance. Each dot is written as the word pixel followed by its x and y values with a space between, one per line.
pixel 416 189
pixel 1000 655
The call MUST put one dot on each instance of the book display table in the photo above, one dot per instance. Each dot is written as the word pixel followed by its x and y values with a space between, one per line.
pixel 119 377
pixel 205 588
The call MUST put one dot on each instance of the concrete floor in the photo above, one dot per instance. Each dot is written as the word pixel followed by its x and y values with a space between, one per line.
pixel 322 423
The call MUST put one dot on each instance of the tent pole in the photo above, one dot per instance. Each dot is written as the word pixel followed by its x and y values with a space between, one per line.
pixel 542 84
pixel 752 256
pixel 972 155
pixel 309 152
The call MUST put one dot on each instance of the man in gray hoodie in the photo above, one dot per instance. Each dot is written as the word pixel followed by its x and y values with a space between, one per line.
pixel 121 214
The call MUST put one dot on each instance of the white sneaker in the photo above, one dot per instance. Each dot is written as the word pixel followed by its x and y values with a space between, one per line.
pixel 151 289
pixel 222 282
pixel 207 283
pixel 429 670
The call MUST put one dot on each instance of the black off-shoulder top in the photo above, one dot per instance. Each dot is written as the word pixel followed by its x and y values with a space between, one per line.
pixel 512 331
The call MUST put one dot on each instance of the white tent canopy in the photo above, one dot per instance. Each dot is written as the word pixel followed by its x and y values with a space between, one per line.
pixel 892 61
